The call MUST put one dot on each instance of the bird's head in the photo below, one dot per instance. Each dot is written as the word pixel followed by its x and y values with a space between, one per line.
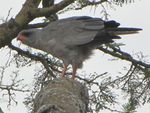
pixel 28 37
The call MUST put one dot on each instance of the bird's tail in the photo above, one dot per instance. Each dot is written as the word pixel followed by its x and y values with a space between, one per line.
pixel 123 31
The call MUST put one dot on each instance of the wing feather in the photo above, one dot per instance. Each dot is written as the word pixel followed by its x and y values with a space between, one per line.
pixel 74 31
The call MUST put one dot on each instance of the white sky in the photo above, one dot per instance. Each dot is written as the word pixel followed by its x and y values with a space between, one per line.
pixel 134 15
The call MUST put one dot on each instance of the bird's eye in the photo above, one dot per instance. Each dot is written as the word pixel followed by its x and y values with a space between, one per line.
pixel 26 33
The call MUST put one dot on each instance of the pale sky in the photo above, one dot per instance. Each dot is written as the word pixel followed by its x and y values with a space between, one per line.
pixel 133 15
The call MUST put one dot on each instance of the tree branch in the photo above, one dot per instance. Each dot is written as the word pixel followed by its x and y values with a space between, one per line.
pixel 24 16
pixel 34 57
pixel 29 11
pixel 10 29
pixel 39 12
pixel 62 96
pixel 14 86
pixel 46 4
pixel 125 56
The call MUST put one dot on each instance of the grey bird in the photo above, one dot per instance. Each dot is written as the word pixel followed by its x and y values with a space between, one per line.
pixel 73 39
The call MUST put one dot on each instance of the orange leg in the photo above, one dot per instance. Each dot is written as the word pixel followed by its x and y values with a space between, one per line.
pixel 74 67
pixel 64 70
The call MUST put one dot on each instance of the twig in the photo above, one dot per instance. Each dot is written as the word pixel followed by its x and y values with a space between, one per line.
pixel 8 14
pixel 92 80
pixel 88 3
pixel 125 56
pixel 15 86
pixel 34 57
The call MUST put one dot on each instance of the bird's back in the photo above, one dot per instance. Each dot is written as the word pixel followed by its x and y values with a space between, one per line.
pixel 73 39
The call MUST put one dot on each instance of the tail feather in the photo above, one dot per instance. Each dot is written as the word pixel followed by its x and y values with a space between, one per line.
pixel 123 31
pixel 111 24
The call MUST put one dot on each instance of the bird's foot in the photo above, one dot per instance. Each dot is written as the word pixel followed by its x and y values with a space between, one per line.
pixel 73 77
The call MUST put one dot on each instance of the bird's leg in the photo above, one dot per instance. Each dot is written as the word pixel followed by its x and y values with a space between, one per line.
pixel 64 70
pixel 74 67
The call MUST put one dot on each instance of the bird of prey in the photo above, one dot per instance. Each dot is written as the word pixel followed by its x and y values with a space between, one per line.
pixel 73 39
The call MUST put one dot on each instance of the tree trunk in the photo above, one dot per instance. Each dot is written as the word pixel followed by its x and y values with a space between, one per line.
pixel 62 96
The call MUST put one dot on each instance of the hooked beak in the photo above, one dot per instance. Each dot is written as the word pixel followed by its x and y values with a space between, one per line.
pixel 21 38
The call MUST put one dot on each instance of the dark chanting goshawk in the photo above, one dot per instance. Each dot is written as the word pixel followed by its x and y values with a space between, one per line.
pixel 73 39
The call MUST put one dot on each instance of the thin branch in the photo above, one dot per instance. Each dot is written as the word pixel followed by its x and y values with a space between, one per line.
pixel 10 87
pixel 34 57
pixel 89 3
pixel 14 86
pixel 129 74
pixel 8 14
pixel 91 81
pixel 126 56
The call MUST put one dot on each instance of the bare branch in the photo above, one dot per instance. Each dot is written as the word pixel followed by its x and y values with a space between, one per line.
pixel 8 14
pixel 10 29
pixel 13 86
pixel 34 57
pixel 89 3
pixel 125 56
pixel 91 81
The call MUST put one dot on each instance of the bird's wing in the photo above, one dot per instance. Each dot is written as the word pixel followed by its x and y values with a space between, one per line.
pixel 74 31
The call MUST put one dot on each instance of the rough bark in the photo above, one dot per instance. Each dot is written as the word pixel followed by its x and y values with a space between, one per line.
pixel 10 29
pixel 29 11
pixel 62 96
